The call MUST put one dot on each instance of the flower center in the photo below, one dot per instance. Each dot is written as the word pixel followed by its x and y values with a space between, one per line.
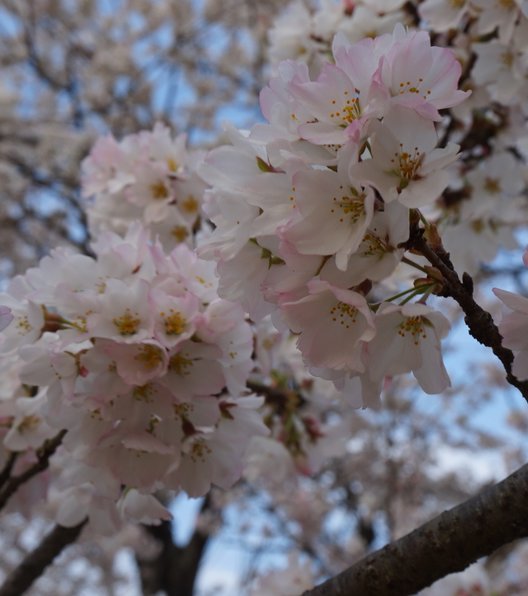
pixel 199 450
pixel 127 324
pixel 175 322
pixel 149 356
pixel 180 233
pixel 353 207
pixel 373 246
pixel 414 326
pixel 23 325
pixel 492 186
pixel 28 423
pixel 344 314
pixel 413 87
pixel 180 365
pixel 190 205
pixel 406 165
pixel 159 190
pixel 507 58
pixel 350 110
pixel 172 164
pixel 143 393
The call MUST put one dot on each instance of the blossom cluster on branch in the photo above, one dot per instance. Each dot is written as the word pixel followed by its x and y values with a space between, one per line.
pixel 136 356
pixel 317 206
pixel 232 301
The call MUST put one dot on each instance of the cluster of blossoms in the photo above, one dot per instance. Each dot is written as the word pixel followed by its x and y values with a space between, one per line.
pixel 304 34
pixel 149 177
pixel 136 357
pixel 302 436
pixel 314 208
pixel 143 356
pixel 484 202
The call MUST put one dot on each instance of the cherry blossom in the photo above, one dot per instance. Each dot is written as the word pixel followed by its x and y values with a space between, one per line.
pixel 406 164
pixel 408 339
pixel 145 371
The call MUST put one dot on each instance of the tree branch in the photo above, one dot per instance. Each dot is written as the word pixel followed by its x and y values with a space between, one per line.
pixel 174 569
pixel 43 456
pixel 446 544
pixel 479 322
pixel 36 561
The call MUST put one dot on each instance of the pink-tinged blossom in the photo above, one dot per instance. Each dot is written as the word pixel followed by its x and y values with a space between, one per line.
pixel 441 15
pixel 245 201
pixel 175 316
pixel 362 62
pixel 160 147
pixel 245 289
pixel 378 254
pixel 405 163
pixel 497 13
pixel 25 321
pixel 218 456
pixel 108 167
pixel 279 106
pixel 501 69
pixel 332 324
pixel 289 274
pixel 193 369
pixel 514 330
pixel 422 77
pixel 408 340
pixel 29 428
pixel 368 20
pixel 494 180
pixel 124 312
pixel 139 508
pixel 141 373
pixel 137 363
pixel 332 215
pixel 334 105
pixel 290 35
pixel 150 177
pixel 6 317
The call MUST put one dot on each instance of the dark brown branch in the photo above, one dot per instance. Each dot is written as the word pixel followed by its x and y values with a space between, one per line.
pixel 43 456
pixel 5 474
pixel 280 399
pixel 36 561
pixel 175 568
pixel 479 322
pixel 446 544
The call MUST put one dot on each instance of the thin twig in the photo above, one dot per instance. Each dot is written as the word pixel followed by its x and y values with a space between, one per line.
pixel 43 456
pixel 479 322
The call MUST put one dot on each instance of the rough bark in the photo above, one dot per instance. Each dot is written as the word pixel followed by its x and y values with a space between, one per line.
pixel 446 544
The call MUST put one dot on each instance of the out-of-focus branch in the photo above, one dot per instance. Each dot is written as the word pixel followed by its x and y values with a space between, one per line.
pixel 5 474
pixel 446 544
pixel 43 456
pixel 36 561
pixel 174 569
